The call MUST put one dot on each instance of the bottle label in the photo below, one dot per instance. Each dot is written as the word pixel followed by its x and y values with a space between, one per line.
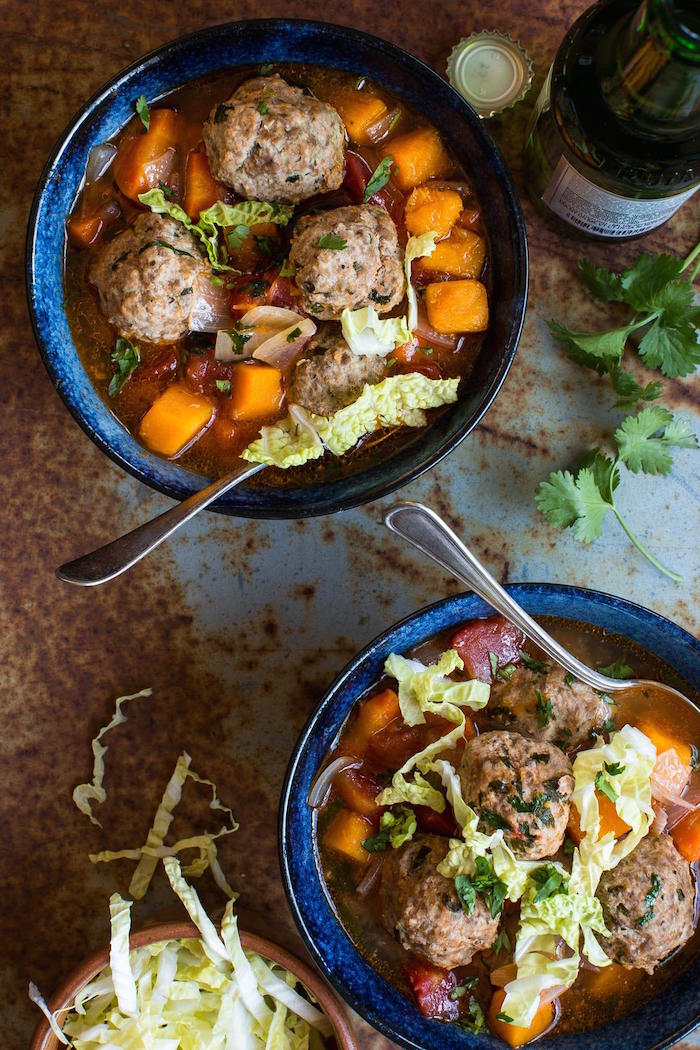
pixel 594 210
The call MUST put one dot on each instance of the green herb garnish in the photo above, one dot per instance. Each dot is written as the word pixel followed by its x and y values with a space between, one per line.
pixel 265 69
pixel 223 386
pixel 165 244
pixel 533 663
pixel 329 240
pixel 569 680
pixel 610 725
pixel 478 1021
pixel 613 769
pixel 263 108
pixel 543 709
pixel 379 178
pixel 239 339
pixel 395 827
pixel 143 111
pixel 549 881
pixel 605 787
pixel 168 191
pixel 286 270
pixel 504 1017
pixel 485 882
pixel 649 900
pixel 126 358
pixel 237 236
pixel 617 669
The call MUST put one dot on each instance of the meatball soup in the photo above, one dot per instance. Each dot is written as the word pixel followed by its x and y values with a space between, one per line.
pixel 513 850
pixel 255 250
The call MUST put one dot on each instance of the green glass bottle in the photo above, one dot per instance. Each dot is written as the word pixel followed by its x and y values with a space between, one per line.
pixel 613 148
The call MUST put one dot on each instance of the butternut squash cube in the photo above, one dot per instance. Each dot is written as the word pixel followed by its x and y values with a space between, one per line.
pixel 512 1034
pixel 418 155
pixel 358 111
pixel 457 306
pixel 256 391
pixel 462 254
pixel 432 209
pixel 346 833
pixel 174 420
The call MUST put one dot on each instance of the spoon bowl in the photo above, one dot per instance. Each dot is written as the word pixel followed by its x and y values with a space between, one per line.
pixel 426 531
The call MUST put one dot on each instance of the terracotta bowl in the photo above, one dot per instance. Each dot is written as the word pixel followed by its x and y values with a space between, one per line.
pixel 44 1039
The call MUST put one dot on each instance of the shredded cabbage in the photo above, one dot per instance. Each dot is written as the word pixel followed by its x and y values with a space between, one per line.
pixel 189 994
pixel 84 794
pixel 244 213
pixel 635 755
pixel 416 248
pixel 154 848
pixel 426 689
pixel 369 336
pixel 396 401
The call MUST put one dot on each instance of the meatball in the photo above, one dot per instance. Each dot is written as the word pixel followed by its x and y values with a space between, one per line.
pixel 364 269
pixel 648 904
pixel 420 907
pixel 329 375
pixel 146 279
pixel 523 786
pixel 523 704
pixel 274 142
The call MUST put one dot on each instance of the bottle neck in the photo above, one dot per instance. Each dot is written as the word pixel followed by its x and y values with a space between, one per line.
pixel 650 67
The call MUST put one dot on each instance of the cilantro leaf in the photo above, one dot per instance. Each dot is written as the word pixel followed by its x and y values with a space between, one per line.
pixel 549 882
pixel 379 178
pixel 126 358
pixel 329 240
pixel 602 284
pixel 605 787
pixel 648 277
pixel 543 709
pixel 617 669
pixel 485 882
pixel 143 111
pixel 223 386
pixel 644 440
pixel 628 389
pixel 237 236
pixel 604 345
pixel 673 349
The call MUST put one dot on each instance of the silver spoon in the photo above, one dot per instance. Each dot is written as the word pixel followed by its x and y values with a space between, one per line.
pixel 116 557
pixel 427 531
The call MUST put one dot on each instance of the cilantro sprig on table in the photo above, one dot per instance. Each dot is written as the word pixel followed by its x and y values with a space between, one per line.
pixel 663 305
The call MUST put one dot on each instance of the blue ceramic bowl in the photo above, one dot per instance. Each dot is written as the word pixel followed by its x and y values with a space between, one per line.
pixel 657 1024
pixel 251 43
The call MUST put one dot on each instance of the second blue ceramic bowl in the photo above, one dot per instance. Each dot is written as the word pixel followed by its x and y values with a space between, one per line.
pixel 249 44
pixel 657 1024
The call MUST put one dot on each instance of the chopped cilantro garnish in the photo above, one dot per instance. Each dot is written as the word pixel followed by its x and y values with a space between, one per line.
pixel 143 111
pixel 126 358
pixel 533 663
pixel 605 787
pixel 614 769
pixel 543 709
pixel 329 240
pixel 168 191
pixel 165 244
pixel 239 339
pixel 265 69
pixel 549 882
pixel 493 820
pixel 292 178
pixel 610 725
pixel 484 882
pixel 286 270
pixel 506 1018
pixel 223 386
pixel 379 178
pixel 569 679
pixel 237 236
pixel 263 108
pixel 617 669
pixel 649 900
pixel 294 334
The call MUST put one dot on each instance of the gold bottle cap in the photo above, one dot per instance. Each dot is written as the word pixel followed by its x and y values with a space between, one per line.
pixel 490 70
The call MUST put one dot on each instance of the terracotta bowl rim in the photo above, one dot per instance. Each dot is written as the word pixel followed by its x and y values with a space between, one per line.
pixel 44 1039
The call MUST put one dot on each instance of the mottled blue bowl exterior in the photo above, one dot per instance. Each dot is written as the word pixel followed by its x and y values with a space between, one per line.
pixel 250 43
pixel 658 1024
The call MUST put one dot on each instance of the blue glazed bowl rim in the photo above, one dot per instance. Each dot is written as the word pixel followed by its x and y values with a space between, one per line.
pixel 304 889
pixel 407 464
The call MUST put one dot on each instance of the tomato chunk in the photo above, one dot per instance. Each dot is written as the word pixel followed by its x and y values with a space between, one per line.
pixel 432 988
pixel 203 370
pixel 359 791
pixel 265 289
pixel 494 635
pixel 432 823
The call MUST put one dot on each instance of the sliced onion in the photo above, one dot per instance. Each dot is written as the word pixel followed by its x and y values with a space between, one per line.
pixel 369 879
pixel 284 346
pixel 270 317
pixel 689 803
pixel 211 308
pixel 503 975
pixel 322 784
pixel 425 331
pixel 224 349
pixel 550 994
pixel 660 819
pixel 669 778
pixel 160 168
pixel 464 189
pixel 99 159
pixel 381 128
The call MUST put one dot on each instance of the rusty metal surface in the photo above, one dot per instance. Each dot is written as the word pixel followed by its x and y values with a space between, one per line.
pixel 237 625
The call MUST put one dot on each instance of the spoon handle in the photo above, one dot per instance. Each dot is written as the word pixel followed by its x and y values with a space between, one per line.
pixel 428 532
pixel 116 557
